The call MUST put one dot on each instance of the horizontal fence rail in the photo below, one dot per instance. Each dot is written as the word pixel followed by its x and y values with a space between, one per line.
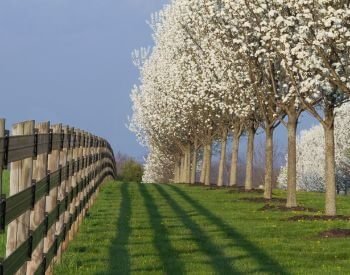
pixel 44 215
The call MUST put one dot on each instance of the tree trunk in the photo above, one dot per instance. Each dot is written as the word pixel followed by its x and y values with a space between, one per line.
pixel 204 163
pixel 182 169
pixel 235 147
pixel 194 163
pixel 268 162
pixel 188 163
pixel 330 207
pixel 208 165
pixel 250 159
pixel 292 161
pixel 222 158
pixel 176 172
pixel 185 167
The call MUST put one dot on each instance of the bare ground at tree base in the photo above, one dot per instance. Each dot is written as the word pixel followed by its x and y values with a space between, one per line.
pixel 319 218
pixel 263 200
pixel 336 233
pixel 270 207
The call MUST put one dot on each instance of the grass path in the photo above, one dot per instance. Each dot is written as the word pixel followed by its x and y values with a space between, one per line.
pixel 164 229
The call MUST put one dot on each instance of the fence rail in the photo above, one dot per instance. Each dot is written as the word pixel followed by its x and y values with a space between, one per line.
pixel 43 215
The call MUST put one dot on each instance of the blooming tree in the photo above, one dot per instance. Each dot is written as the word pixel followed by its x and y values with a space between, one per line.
pixel 220 66
pixel 311 157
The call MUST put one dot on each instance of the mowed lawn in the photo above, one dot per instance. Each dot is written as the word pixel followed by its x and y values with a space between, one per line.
pixel 179 229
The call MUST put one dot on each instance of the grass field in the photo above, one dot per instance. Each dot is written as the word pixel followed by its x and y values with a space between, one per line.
pixel 164 229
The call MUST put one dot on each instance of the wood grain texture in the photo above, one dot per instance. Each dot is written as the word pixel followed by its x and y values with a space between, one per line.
pixel 38 214
pixel 20 179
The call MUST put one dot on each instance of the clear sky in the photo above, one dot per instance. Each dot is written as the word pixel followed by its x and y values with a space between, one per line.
pixel 70 61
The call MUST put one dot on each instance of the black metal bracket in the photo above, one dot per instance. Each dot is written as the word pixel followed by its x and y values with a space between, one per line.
pixel 33 193
pixel 48 178
pixel 78 164
pixel 74 140
pixel 2 213
pixel 44 264
pixel 35 148
pixel 64 231
pixel 66 198
pixel 59 203
pixel 50 141
pixel 62 141
pixel 30 246
pixel 6 149
pixel 69 140
pixel 73 168
pixel 60 174
pixel 46 224
pixel 67 171
pixel 79 139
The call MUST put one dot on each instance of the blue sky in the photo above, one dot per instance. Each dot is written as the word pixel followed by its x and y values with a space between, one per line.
pixel 70 61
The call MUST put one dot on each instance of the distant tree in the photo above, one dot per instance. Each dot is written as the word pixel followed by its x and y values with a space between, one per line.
pixel 120 160
pixel 132 171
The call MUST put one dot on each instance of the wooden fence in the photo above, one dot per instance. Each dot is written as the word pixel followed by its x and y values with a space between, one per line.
pixel 55 173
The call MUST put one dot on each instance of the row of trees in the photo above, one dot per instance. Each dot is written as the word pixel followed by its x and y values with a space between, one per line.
pixel 222 67
pixel 310 156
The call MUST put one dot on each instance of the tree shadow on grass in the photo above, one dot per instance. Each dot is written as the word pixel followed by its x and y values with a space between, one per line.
pixel 166 253
pixel 118 254
pixel 267 264
pixel 220 263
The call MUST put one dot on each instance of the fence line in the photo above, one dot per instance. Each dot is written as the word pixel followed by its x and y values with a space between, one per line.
pixel 54 178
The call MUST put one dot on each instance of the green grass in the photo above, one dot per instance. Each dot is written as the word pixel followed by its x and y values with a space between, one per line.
pixel 6 182
pixel 164 229
pixel 6 191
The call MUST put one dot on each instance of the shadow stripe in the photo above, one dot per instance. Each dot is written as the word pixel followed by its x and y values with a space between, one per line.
pixel 265 261
pixel 167 254
pixel 219 262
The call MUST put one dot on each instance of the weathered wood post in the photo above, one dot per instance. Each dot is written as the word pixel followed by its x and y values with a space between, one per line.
pixel 51 199
pixel 69 150
pixel 93 167
pixel 85 154
pixel 90 168
pixel 61 190
pixel 87 169
pixel 80 176
pixel 20 179
pixel 74 183
pixel 37 215
pixel 99 163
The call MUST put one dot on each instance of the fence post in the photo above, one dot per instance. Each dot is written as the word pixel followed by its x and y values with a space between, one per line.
pixel 85 154
pixel 37 215
pixel 96 165
pixel 69 150
pixel 51 199
pixel 90 150
pixel 80 177
pixel 74 183
pixel 20 179
pixel 61 191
